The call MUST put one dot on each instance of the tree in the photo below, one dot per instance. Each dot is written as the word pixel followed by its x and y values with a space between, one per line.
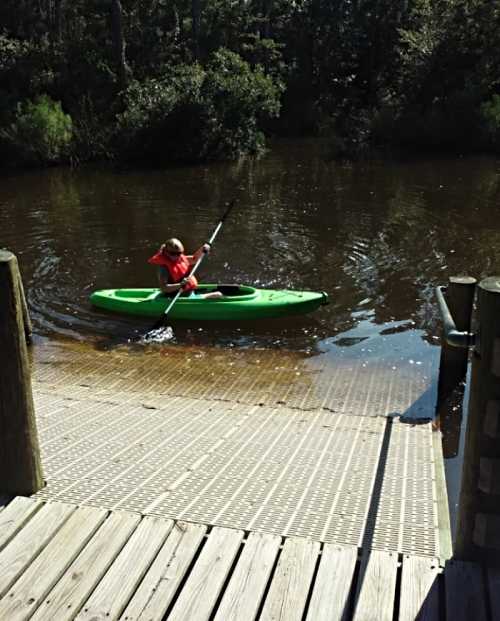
pixel 119 43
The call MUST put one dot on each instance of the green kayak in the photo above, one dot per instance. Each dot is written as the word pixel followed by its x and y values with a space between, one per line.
pixel 238 303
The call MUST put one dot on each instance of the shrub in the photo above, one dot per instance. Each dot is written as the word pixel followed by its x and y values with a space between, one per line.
pixel 193 113
pixel 239 98
pixel 162 117
pixel 41 132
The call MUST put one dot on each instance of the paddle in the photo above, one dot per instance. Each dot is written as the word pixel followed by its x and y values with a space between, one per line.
pixel 161 321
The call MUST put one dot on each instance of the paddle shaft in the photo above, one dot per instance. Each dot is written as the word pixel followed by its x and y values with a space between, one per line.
pixel 200 259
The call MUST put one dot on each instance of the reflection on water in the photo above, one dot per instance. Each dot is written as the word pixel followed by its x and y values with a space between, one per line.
pixel 376 236
pixel 256 376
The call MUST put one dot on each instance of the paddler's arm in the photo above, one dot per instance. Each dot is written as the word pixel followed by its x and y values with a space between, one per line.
pixel 165 286
pixel 205 249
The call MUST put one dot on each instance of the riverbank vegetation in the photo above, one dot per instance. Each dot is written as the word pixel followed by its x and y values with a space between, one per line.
pixel 191 80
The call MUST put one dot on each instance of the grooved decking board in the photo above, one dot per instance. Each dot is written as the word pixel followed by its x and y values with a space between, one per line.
pixel 376 587
pixel 30 541
pixel 277 470
pixel 335 575
pixel 287 596
pixel 466 580
pixel 262 376
pixel 269 441
pixel 114 591
pixel 155 593
pixel 71 562
pixel 14 517
pixel 204 583
pixel 246 588
pixel 27 593
pixel 419 589
pixel 85 573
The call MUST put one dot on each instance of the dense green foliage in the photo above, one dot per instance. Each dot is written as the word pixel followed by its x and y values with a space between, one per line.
pixel 193 113
pixel 188 80
pixel 41 132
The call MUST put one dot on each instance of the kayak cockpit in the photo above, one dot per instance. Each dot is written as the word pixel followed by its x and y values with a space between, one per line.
pixel 229 292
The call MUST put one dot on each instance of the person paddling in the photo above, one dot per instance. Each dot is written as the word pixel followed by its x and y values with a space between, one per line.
pixel 174 267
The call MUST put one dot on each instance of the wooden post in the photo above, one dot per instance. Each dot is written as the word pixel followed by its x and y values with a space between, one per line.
pixel 20 466
pixel 453 364
pixel 478 522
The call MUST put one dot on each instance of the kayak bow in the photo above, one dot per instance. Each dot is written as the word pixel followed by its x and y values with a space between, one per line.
pixel 240 302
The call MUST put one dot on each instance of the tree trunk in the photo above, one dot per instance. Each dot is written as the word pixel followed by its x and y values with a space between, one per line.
pixel 196 17
pixel 59 20
pixel 266 26
pixel 119 43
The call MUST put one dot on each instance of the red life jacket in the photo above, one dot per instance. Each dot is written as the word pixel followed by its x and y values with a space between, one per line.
pixel 178 269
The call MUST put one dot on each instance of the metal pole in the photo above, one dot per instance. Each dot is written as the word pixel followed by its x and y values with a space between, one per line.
pixel 28 328
pixel 453 363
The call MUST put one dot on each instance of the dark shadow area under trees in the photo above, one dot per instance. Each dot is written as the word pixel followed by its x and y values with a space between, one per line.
pixel 165 81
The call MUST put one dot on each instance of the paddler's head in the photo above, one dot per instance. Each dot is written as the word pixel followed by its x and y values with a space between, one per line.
pixel 173 248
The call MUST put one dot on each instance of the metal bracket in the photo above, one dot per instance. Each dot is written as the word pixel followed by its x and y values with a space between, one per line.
pixel 452 336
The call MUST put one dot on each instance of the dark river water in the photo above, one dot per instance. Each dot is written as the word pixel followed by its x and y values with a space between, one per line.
pixel 377 236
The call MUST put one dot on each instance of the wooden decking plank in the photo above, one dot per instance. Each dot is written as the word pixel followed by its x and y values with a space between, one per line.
pixel 464 591
pixel 30 541
pixel 419 589
pixel 15 515
pixel 291 582
pixel 246 588
pixel 113 593
pixel 159 585
pixel 204 583
pixel 33 585
pixel 330 597
pixel 376 587
pixel 494 591
pixel 74 588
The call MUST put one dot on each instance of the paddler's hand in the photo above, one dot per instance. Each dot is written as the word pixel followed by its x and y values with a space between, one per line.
pixel 205 248
pixel 184 282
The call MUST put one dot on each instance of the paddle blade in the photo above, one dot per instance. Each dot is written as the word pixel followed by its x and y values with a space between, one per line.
pixel 159 325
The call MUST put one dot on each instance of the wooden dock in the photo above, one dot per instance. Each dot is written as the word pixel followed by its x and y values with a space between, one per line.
pixel 60 562
pixel 264 498
pixel 279 444
pixel 235 496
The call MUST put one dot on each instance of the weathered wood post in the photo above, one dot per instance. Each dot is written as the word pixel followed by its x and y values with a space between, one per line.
pixel 453 363
pixel 478 522
pixel 20 466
